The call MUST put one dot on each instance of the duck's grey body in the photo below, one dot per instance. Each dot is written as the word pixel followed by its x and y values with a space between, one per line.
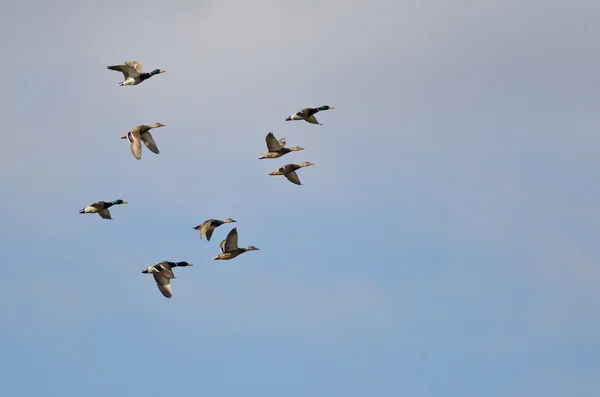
pixel 140 134
pixel 101 208
pixel 229 247
pixel 132 72
pixel 207 227
pixel 289 171
pixel 276 148
pixel 308 114
pixel 163 274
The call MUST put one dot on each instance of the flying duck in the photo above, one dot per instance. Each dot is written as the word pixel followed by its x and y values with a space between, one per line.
pixel 276 148
pixel 289 171
pixel 140 134
pixel 308 114
pixel 208 227
pixel 101 208
pixel 163 274
pixel 229 247
pixel 132 72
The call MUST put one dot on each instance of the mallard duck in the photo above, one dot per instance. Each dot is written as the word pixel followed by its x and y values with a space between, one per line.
pixel 289 171
pixel 101 208
pixel 163 274
pixel 132 72
pixel 140 134
pixel 276 148
pixel 208 227
pixel 308 114
pixel 229 247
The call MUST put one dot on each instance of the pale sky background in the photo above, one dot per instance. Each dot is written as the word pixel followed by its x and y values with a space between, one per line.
pixel 444 244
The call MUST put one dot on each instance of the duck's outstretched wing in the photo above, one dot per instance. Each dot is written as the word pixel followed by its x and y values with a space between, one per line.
pixel 273 145
pixel 137 65
pixel 149 142
pixel 293 177
pixel 105 213
pixel 312 119
pixel 163 284
pixel 98 205
pixel 209 233
pixel 165 270
pixel 231 241
pixel 128 71
pixel 304 113
pixel 135 141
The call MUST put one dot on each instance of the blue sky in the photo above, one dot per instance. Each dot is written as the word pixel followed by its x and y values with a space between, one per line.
pixel 444 243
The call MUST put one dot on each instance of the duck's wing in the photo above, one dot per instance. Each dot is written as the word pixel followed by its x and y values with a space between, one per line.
pixel 136 143
pixel 293 177
pixel 206 230
pixel 165 270
pixel 287 168
pixel 282 142
pixel 312 119
pixel 273 144
pixel 222 246
pixel 98 205
pixel 149 142
pixel 105 213
pixel 209 233
pixel 137 65
pixel 128 71
pixel 304 113
pixel 231 241
pixel 164 285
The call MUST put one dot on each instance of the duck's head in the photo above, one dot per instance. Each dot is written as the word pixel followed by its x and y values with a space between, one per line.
pixel 306 164
pixel 228 220
pixel 157 71
pixel 252 248
pixel 325 107
pixel 183 264
pixel 296 148
pixel 119 201
pixel 157 125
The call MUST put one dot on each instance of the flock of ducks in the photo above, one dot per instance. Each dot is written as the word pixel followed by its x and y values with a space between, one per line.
pixel 163 271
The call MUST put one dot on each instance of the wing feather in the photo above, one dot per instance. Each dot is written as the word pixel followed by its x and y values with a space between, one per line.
pixel 209 233
pixel 149 142
pixel 293 177
pixel 273 144
pixel 98 205
pixel 312 119
pixel 136 143
pixel 137 65
pixel 231 241
pixel 164 269
pixel 163 284
pixel 128 71
pixel 104 213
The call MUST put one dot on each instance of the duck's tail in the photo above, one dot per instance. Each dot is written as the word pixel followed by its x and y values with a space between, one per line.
pixel 82 211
